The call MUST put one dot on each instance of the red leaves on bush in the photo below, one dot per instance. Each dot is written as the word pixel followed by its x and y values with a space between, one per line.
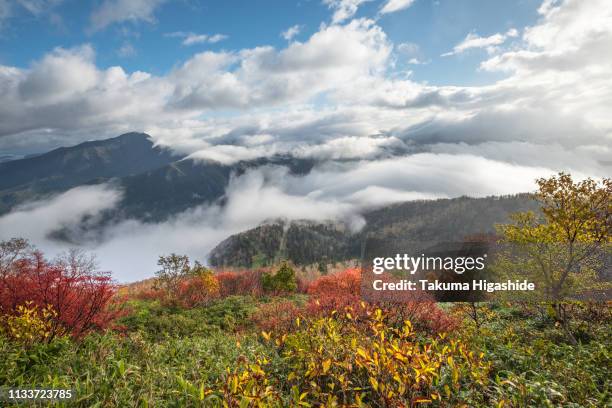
pixel 342 283
pixel 277 316
pixel 197 290
pixel 75 289
pixel 341 291
pixel 334 292
pixel 240 283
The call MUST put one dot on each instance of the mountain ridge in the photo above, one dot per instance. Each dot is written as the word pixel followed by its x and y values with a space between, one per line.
pixel 90 162
pixel 155 182
pixel 427 222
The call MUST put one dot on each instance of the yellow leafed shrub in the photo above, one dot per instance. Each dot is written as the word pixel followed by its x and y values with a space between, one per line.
pixel 29 324
pixel 355 361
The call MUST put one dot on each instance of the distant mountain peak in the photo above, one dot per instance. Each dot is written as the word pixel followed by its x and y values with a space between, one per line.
pixel 67 167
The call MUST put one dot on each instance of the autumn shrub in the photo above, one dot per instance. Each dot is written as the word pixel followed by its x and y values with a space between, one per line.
pixel 28 325
pixel 334 292
pixel 336 362
pixel 240 283
pixel 79 294
pixel 302 284
pixel 148 294
pixel 141 290
pixel 198 290
pixel 277 316
pixel 246 385
pixel 341 292
pixel 345 282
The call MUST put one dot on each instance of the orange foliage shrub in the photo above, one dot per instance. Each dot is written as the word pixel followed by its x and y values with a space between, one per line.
pixel 240 283
pixel 334 292
pixel 341 292
pixel 198 290
pixel 277 316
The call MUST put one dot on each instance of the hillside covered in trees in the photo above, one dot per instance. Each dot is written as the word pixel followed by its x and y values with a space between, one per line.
pixel 307 242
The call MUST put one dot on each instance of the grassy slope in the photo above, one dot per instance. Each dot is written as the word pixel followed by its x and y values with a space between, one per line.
pixel 164 353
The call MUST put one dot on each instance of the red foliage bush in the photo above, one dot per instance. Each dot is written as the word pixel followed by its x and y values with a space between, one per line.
pixel 345 282
pixel 149 294
pixel 240 283
pixel 302 285
pixel 335 292
pixel 79 294
pixel 276 316
pixel 341 292
pixel 424 314
pixel 197 290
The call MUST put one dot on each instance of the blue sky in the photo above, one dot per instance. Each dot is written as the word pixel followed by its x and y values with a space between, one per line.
pixel 434 26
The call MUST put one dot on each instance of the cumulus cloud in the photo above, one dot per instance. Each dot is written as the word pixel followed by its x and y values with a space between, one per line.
pixel 116 11
pixel 66 94
pixel 331 58
pixel 391 6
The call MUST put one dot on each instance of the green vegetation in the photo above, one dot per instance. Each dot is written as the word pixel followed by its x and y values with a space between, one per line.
pixel 175 357
pixel 283 280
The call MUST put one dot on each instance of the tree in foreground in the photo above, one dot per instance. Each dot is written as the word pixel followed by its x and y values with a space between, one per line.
pixel 563 248
pixel 184 284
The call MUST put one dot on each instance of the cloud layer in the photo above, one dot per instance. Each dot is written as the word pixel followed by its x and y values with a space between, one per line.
pixel 337 191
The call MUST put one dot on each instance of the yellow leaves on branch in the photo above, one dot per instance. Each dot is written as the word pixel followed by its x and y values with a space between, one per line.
pixel 343 361
pixel 29 324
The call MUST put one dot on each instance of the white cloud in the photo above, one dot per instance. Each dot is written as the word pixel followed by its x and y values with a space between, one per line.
pixel 473 40
pixel 215 38
pixel 37 220
pixel 343 9
pixel 190 38
pixel 117 11
pixel 391 6
pixel 409 48
pixel 66 94
pixel 412 52
pixel 291 32
pixel 331 58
